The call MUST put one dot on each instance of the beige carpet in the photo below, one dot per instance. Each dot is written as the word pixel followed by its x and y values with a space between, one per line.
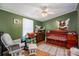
pixel 54 50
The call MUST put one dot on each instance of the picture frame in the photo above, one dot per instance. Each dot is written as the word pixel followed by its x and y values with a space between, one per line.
pixel 16 21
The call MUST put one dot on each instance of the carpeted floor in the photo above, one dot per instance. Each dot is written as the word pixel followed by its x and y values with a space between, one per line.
pixel 48 50
pixel 54 50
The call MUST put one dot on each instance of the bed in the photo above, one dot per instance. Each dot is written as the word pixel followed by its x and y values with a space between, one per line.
pixel 62 38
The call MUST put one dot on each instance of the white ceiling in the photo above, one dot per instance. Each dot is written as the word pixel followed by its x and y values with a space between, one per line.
pixel 33 10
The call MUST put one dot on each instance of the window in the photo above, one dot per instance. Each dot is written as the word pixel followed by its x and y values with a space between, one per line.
pixel 27 26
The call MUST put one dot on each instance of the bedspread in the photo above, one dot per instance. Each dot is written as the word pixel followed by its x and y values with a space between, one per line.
pixel 60 38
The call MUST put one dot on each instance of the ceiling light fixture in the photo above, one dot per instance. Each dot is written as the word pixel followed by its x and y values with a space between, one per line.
pixel 44 13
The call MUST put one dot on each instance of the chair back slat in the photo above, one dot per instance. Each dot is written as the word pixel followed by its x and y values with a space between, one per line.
pixel 6 39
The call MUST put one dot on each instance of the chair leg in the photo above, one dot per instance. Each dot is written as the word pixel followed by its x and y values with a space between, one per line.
pixel 35 51
pixel 13 54
pixel 30 52
pixel 16 54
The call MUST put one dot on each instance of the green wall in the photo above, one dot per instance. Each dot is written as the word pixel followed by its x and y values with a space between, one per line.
pixel 78 19
pixel 7 25
pixel 78 23
pixel 15 30
pixel 38 23
pixel 51 24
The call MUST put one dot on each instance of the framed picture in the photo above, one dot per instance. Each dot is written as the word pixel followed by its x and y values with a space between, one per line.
pixel 16 21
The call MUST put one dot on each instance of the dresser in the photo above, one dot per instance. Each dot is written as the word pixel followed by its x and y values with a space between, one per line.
pixel 40 36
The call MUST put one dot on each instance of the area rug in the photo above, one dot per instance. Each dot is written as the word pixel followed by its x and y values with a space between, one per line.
pixel 54 50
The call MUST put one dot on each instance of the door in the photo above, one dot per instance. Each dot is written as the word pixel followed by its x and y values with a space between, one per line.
pixel 27 26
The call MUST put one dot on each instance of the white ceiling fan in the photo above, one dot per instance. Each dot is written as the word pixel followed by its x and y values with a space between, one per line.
pixel 45 11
